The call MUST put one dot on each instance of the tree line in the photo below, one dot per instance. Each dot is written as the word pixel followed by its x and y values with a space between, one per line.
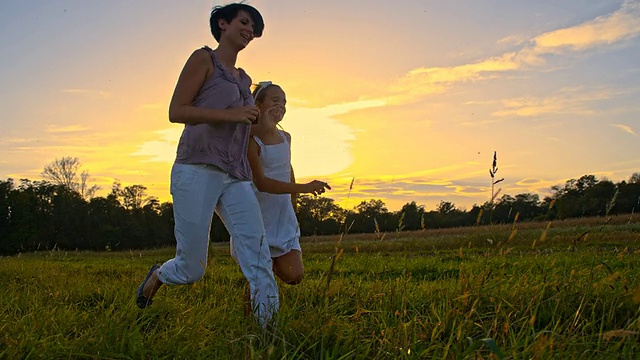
pixel 63 212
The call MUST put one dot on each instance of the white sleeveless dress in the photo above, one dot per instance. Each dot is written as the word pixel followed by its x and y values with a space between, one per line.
pixel 280 222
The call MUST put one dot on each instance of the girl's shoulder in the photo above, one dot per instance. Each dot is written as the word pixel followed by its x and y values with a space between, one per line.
pixel 286 135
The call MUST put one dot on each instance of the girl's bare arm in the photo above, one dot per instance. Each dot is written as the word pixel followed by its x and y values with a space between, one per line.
pixel 268 185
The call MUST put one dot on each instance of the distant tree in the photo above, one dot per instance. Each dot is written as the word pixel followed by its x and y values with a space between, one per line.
pixel 319 215
pixel 371 216
pixel 596 198
pixel 371 208
pixel 502 210
pixel 628 200
pixel 320 208
pixel 135 197
pixel 445 207
pixel 412 216
pixel 69 215
pixel 574 187
pixel 46 214
pixel 31 217
pixel 569 199
pixel 528 206
pixel 132 197
pixel 64 172
pixel 6 188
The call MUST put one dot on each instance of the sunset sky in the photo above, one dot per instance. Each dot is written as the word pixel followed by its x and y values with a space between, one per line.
pixel 409 97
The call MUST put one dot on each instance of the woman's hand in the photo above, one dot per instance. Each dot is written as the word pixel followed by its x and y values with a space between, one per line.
pixel 244 114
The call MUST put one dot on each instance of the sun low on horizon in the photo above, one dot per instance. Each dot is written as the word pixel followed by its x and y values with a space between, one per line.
pixel 400 102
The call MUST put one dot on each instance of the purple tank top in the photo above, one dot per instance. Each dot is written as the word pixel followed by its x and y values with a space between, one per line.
pixel 223 144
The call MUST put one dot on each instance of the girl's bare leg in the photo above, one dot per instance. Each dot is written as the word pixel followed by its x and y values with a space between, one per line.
pixel 289 267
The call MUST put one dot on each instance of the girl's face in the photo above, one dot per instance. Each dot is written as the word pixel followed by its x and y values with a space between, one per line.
pixel 239 31
pixel 273 104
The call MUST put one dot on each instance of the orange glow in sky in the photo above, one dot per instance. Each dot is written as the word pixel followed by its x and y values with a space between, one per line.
pixel 411 100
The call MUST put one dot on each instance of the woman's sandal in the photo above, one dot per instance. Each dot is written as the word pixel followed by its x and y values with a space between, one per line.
pixel 142 300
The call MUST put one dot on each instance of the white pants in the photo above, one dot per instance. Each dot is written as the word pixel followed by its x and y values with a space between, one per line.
pixel 197 191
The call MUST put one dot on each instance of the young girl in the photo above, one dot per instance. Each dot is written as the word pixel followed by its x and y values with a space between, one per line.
pixel 211 171
pixel 269 155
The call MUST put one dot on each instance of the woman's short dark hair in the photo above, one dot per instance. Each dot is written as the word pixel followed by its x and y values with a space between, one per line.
pixel 229 12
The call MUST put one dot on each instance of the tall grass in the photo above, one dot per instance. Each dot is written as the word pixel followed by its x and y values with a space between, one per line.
pixel 447 294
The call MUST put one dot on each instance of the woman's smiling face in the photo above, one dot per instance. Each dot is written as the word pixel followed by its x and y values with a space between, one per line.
pixel 240 30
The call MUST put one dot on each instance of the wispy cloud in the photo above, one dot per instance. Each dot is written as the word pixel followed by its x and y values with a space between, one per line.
pixel 19 140
pixel 426 191
pixel 566 101
pixel 162 149
pixel 620 25
pixel 425 81
pixel 340 108
pixel 153 106
pixel 89 92
pixel 626 128
pixel 513 39
pixel 605 30
pixel 65 129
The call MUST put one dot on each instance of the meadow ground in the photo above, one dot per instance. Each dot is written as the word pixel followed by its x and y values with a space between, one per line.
pixel 567 290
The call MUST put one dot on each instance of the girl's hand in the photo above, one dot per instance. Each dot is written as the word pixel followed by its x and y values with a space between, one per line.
pixel 276 112
pixel 272 115
pixel 244 115
pixel 316 187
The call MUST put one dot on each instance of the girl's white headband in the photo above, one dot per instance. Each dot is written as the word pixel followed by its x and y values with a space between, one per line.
pixel 261 86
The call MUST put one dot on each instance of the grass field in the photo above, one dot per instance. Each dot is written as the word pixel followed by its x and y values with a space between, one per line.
pixel 566 290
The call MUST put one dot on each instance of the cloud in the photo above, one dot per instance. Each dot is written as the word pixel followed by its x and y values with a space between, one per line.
pixel 565 101
pixel 342 108
pixel 605 30
pixel 533 185
pixel 153 106
pixel 513 39
pixel 162 149
pixel 424 81
pixel 429 192
pixel 54 129
pixel 426 187
pixel 19 140
pixel 620 25
pixel 626 128
pixel 88 92
pixel 467 72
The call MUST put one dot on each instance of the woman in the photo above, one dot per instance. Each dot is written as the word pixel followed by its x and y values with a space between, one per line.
pixel 211 170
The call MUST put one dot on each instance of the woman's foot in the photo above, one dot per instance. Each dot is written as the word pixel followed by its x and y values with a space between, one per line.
pixel 148 288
